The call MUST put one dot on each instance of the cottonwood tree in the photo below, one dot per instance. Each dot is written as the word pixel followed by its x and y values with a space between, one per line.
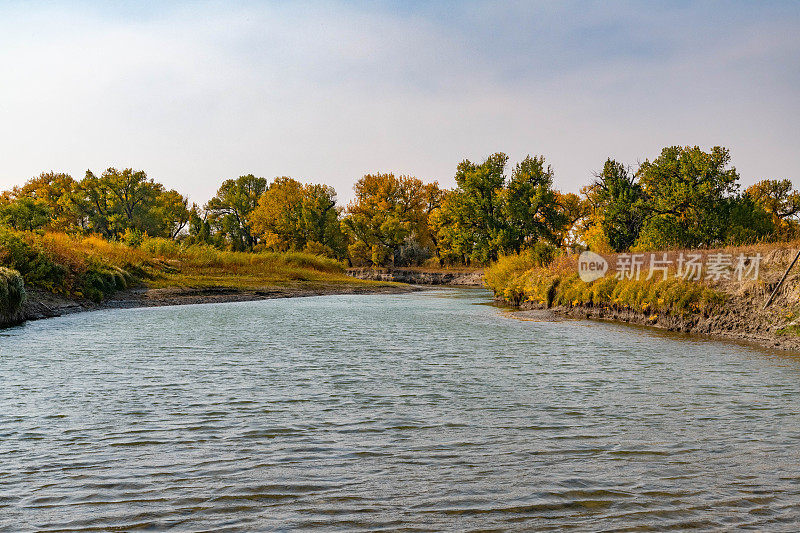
pixel 385 212
pixel 617 209
pixel 230 210
pixel 295 216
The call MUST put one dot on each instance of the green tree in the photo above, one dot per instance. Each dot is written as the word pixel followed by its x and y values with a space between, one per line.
pixel 230 210
pixel 118 201
pixel 486 215
pixel 687 190
pixel 533 212
pixel 199 227
pixel 171 210
pixel 24 213
pixel 617 204
pixel 475 211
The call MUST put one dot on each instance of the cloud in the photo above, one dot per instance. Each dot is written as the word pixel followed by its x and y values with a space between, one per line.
pixel 196 93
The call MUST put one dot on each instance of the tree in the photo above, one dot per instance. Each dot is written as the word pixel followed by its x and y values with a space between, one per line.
pixel 230 210
pixel 574 210
pixel 119 201
pixel 294 216
pixel 617 208
pixel 42 202
pixel 321 220
pixel 686 191
pixel 172 212
pixel 485 215
pixel 199 228
pixel 452 241
pixel 24 213
pixel 777 198
pixel 532 208
pixel 385 212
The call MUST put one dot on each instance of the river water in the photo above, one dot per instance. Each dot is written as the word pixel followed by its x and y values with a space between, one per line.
pixel 425 411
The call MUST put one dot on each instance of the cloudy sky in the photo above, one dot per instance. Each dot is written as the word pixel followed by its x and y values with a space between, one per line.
pixel 194 93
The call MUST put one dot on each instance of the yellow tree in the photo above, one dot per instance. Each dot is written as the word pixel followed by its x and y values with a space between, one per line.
pixel 778 199
pixel 385 212
pixel 295 216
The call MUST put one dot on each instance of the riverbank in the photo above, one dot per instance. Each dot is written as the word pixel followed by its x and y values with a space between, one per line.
pixel 725 308
pixel 42 304
pixel 52 274
pixel 458 277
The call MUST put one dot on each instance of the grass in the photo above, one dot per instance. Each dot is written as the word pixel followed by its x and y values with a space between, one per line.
pixel 792 330
pixel 94 268
pixel 518 278
pixel 12 294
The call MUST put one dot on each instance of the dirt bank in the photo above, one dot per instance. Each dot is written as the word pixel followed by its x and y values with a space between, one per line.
pixel 419 276
pixel 737 323
pixel 42 304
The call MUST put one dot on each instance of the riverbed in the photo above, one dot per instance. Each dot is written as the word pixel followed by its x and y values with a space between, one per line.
pixel 422 411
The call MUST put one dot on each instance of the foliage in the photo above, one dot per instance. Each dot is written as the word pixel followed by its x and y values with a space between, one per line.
pixel 487 216
pixel 689 194
pixel 617 207
pixel 385 212
pixel 507 275
pixel 684 198
pixel 30 259
pixel 230 211
pixel 532 208
pixel 294 216
pixel 777 198
pixel 517 279
pixel 12 294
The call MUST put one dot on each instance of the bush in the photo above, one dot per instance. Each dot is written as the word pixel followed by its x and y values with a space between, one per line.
pixel 12 295
pixel 359 254
pixel 101 281
pixel 160 247
pixel 412 253
pixel 507 276
pixel 316 248
pixel 29 260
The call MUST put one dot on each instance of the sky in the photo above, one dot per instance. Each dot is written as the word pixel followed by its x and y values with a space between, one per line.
pixel 198 92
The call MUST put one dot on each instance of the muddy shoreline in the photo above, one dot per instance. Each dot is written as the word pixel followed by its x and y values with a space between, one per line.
pixel 420 276
pixel 42 304
pixel 735 324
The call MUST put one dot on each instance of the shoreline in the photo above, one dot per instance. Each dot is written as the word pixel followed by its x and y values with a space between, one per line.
pixel 730 326
pixel 462 277
pixel 41 304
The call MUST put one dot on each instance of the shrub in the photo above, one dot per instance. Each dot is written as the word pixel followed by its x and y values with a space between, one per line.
pixel 12 295
pixel 160 247
pixel 359 254
pixel 30 261
pixel 316 248
pixel 506 275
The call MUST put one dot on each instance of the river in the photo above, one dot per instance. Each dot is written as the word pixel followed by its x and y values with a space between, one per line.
pixel 423 411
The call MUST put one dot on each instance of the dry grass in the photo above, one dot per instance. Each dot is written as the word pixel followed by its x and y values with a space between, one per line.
pixel 95 268
pixel 517 279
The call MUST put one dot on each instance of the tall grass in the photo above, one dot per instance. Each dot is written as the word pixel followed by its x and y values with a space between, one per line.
pixel 95 268
pixel 516 280
pixel 12 295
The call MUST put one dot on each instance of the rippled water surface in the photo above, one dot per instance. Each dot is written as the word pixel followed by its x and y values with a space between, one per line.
pixel 423 411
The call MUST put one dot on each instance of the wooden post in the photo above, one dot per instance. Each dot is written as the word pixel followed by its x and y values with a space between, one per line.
pixel 778 286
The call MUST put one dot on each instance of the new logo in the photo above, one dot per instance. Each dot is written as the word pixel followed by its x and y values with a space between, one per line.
pixel 591 266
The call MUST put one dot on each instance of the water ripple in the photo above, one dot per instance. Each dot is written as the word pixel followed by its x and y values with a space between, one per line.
pixel 414 412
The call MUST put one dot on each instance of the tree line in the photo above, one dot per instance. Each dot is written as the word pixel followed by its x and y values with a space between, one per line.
pixel 684 198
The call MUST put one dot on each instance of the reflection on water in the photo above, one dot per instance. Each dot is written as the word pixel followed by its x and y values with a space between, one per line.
pixel 418 411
